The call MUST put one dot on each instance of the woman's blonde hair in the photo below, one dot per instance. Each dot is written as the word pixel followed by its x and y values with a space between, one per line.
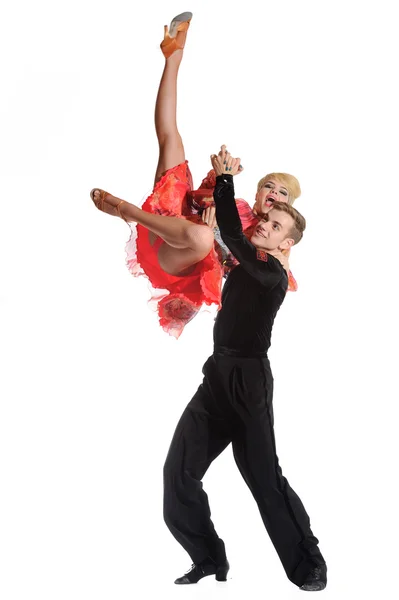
pixel 289 181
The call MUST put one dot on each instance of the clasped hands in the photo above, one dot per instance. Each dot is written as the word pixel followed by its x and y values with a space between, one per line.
pixel 223 164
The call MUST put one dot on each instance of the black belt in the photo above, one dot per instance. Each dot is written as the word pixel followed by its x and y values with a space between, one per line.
pixel 239 353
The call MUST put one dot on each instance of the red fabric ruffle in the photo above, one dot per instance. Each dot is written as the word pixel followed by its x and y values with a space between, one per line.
pixel 178 299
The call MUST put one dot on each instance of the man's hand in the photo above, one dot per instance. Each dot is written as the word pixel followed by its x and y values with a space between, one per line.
pixel 225 164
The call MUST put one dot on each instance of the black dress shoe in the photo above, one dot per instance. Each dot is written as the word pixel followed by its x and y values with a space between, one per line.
pixel 206 567
pixel 316 580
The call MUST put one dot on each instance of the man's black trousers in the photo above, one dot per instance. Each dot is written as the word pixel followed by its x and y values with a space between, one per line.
pixel 234 404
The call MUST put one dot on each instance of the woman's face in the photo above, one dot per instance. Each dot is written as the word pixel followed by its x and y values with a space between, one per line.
pixel 272 190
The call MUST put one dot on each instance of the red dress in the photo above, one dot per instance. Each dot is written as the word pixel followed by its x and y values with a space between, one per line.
pixel 179 299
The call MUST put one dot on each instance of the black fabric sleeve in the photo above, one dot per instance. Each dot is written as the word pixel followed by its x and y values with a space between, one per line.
pixel 270 272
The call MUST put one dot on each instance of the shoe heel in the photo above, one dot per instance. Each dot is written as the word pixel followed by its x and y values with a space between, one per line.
pixel 221 573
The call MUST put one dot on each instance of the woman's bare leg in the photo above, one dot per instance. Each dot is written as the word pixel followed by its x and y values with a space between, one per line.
pixel 171 150
pixel 186 243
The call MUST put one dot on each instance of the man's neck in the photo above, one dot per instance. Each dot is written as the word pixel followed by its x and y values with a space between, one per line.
pixel 275 252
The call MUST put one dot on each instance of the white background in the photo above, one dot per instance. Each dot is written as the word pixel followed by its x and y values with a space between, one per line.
pixel 92 388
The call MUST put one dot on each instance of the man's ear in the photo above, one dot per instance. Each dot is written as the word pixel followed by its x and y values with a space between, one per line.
pixel 287 244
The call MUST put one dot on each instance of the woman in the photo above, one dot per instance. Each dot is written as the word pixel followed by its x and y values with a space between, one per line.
pixel 170 243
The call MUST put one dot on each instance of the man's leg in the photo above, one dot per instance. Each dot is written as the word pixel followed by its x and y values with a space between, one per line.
pixel 199 438
pixel 280 507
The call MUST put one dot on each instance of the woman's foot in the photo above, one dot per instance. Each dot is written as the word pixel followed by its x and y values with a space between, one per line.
pixel 107 202
pixel 175 36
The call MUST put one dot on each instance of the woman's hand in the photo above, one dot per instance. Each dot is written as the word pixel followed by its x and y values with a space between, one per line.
pixel 268 206
pixel 225 164
pixel 282 258
pixel 209 217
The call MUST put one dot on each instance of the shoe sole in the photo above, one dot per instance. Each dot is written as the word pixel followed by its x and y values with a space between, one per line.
pixel 186 16
pixel 220 575
pixel 317 587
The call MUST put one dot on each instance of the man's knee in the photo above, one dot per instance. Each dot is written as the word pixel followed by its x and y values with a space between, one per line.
pixel 168 515
pixel 169 493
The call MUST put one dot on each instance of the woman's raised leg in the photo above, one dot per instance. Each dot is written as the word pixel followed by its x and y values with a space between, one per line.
pixel 171 150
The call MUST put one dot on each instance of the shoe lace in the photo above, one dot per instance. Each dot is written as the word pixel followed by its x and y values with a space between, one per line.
pixel 194 567
pixel 191 568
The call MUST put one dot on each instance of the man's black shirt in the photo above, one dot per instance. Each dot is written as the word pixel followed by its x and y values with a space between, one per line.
pixel 254 290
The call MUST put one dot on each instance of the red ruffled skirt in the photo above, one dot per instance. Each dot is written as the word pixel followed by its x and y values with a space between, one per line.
pixel 176 299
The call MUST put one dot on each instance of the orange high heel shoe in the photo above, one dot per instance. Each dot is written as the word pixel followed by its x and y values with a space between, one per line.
pixel 101 201
pixel 175 37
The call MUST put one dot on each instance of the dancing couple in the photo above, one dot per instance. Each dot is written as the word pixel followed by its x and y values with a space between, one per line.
pixel 185 242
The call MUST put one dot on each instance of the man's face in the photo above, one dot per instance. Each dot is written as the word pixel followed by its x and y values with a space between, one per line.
pixel 273 231
pixel 270 192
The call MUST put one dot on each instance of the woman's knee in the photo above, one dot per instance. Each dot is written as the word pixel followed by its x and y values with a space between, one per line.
pixel 201 238
pixel 169 140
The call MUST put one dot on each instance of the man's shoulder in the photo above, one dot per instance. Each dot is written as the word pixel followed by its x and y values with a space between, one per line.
pixel 272 261
pixel 273 265
pixel 262 255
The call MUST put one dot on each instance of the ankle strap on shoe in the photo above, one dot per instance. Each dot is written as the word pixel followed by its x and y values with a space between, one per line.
pixel 119 210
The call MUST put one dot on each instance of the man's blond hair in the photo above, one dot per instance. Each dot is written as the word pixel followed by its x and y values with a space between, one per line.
pixel 299 226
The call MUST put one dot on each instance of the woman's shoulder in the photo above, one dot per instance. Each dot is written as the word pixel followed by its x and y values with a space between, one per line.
pixel 247 215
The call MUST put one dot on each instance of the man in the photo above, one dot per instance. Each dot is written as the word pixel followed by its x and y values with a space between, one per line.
pixel 234 403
